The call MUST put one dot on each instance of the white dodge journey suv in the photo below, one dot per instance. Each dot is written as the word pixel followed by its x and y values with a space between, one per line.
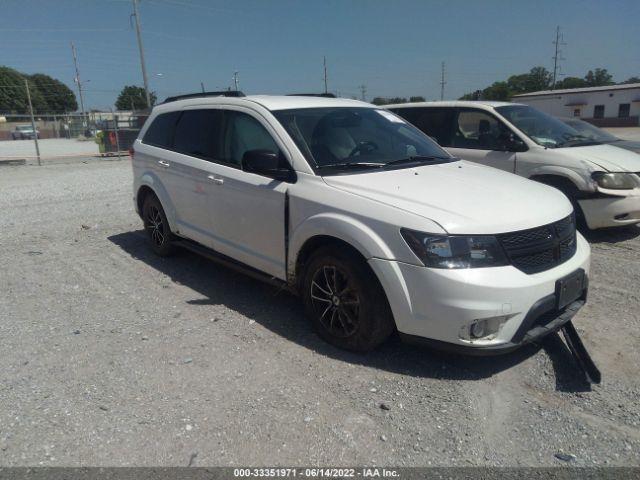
pixel 365 217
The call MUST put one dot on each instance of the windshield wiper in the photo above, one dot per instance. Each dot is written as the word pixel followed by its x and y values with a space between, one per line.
pixel 354 165
pixel 418 159
pixel 578 141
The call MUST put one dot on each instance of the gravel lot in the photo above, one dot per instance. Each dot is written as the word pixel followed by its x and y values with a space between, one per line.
pixel 49 147
pixel 112 356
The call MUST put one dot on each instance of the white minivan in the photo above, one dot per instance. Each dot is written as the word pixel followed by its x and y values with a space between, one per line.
pixel 368 220
pixel 602 181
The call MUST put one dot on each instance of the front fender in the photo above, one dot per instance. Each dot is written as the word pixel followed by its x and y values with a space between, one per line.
pixel 574 177
pixel 342 227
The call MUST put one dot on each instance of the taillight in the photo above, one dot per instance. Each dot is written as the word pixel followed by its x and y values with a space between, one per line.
pixel 131 152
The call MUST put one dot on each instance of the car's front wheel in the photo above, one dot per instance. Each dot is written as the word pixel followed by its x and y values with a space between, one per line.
pixel 345 301
pixel 157 226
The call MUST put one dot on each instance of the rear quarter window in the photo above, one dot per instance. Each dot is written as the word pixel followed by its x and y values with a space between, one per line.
pixel 160 132
pixel 434 121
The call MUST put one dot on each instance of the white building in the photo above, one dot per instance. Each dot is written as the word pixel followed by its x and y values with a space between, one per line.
pixel 610 106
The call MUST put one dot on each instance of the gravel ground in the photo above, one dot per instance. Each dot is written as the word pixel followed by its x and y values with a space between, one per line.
pixel 49 148
pixel 114 357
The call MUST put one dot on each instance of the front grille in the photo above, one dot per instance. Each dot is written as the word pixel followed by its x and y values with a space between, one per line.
pixel 539 249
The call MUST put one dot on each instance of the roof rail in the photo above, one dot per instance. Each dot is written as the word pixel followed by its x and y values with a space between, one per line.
pixel 324 95
pixel 222 93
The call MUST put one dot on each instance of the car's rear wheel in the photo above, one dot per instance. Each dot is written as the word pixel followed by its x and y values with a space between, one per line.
pixel 345 301
pixel 157 226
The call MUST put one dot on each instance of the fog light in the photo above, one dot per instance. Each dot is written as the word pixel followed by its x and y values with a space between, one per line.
pixel 484 328
pixel 477 329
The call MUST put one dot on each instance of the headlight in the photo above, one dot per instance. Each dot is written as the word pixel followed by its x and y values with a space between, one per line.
pixel 455 251
pixel 614 181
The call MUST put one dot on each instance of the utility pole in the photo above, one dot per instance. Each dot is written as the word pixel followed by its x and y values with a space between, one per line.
pixel 33 122
pixel 325 75
pixel 140 46
pixel 79 82
pixel 363 91
pixel 235 80
pixel 442 83
pixel 558 56
pixel 202 86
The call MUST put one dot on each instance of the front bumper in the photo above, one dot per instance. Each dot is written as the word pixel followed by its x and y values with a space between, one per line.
pixel 612 211
pixel 437 305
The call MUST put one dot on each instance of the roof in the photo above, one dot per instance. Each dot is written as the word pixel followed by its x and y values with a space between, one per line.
pixel 627 86
pixel 275 102
pixel 453 103
pixel 270 102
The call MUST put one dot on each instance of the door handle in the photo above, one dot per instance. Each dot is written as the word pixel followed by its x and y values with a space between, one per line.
pixel 217 180
pixel 164 164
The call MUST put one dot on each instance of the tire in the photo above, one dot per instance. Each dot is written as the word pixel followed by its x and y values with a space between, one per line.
pixel 157 226
pixel 345 302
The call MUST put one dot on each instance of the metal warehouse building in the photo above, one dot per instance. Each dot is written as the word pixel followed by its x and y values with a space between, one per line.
pixel 610 106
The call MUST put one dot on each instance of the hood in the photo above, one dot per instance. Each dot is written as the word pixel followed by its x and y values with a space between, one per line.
pixel 464 198
pixel 627 145
pixel 607 157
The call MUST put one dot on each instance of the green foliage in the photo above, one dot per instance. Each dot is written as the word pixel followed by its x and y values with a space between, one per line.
pixel 418 98
pixel 389 101
pixel 570 82
pixel 58 97
pixel 539 78
pixel 598 78
pixel 133 97
pixel 631 80
pixel 48 95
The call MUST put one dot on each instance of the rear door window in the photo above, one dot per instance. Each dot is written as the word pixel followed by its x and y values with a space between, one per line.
pixel 199 133
pixel 160 132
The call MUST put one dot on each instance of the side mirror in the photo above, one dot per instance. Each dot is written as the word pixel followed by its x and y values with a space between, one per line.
pixel 268 164
pixel 513 143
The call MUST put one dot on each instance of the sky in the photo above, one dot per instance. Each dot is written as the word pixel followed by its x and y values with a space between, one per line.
pixel 391 47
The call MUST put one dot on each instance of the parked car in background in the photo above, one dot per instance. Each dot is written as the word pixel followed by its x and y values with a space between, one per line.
pixel 602 181
pixel 24 132
pixel 374 225
pixel 599 135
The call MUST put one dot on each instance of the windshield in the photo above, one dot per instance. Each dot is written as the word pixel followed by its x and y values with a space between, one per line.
pixel 24 128
pixel 543 129
pixel 590 131
pixel 339 139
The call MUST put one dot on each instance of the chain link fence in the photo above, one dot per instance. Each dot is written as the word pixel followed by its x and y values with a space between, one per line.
pixel 66 136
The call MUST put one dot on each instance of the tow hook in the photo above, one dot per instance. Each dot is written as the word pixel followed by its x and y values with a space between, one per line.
pixel 580 353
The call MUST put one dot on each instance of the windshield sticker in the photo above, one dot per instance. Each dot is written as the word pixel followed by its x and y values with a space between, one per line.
pixel 390 116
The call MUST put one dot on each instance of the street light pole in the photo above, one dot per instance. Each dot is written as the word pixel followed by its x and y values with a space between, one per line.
pixel 141 48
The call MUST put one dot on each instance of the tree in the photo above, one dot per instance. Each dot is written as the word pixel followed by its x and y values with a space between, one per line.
pixel 570 82
pixel 537 79
pixel 418 98
pixel 388 101
pixel 497 91
pixel 133 97
pixel 13 97
pixel 48 95
pixel 631 80
pixel 58 98
pixel 598 78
